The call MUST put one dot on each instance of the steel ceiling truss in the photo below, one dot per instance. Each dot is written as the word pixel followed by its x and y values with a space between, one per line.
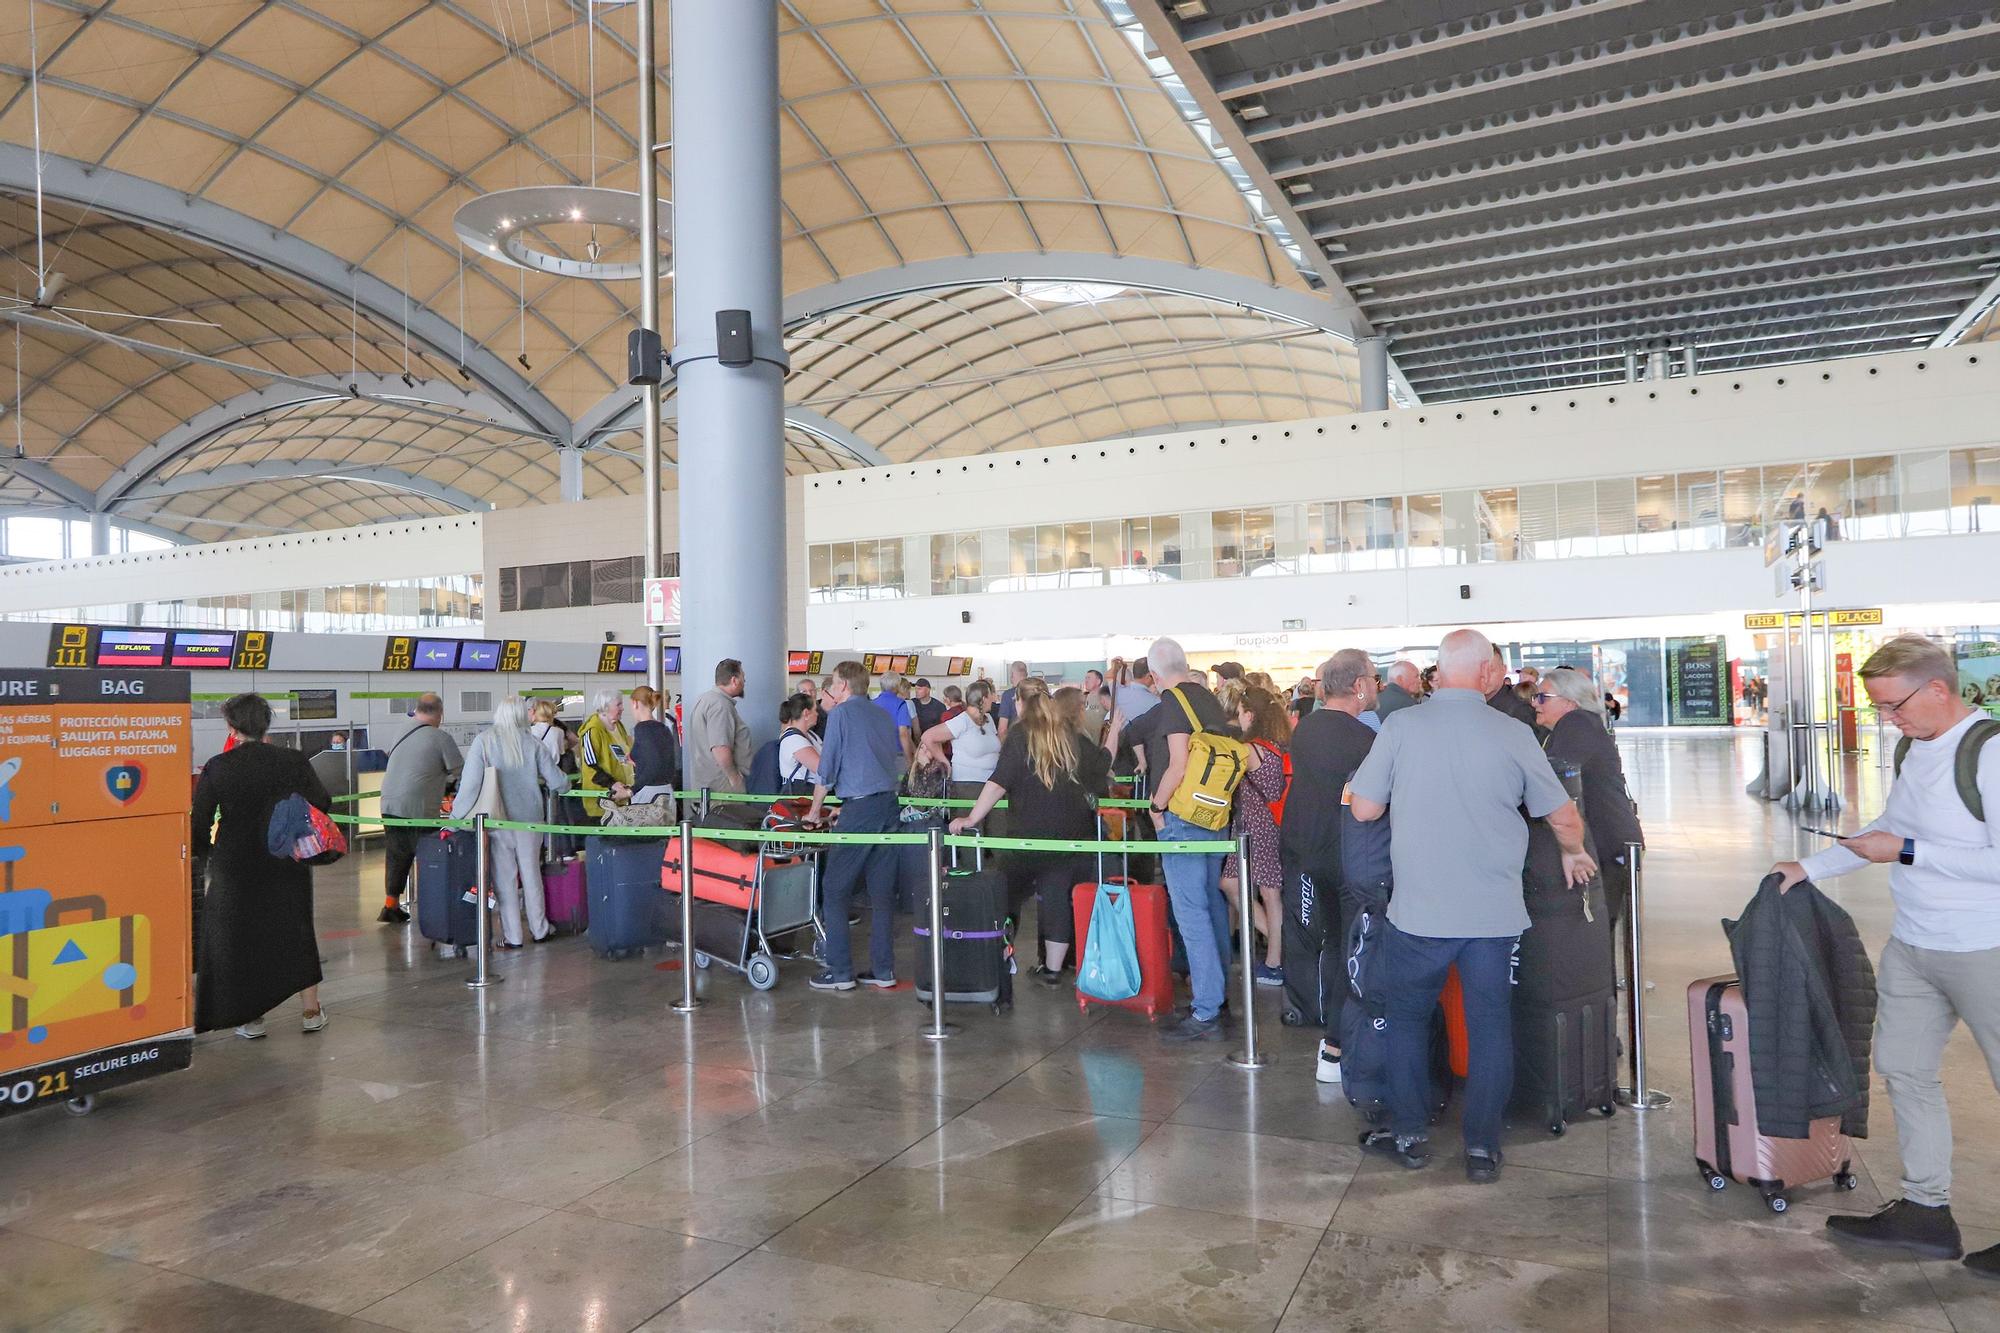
pixel 1520 191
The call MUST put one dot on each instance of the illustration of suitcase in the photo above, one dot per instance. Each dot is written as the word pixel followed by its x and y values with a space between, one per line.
pixel 1149 922
pixel 1727 1145
pixel 61 968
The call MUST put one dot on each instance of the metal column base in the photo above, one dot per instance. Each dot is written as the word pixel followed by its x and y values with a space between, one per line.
pixel 1654 1100
pixel 687 1005
pixel 939 1031
pixel 481 983
pixel 1250 1059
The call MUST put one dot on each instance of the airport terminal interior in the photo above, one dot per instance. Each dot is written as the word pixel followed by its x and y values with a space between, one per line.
pixel 382 378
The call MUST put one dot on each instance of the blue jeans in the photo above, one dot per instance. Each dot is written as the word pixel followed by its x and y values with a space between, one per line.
pixel 848 867
pixel 1194 887
pixel 1413 970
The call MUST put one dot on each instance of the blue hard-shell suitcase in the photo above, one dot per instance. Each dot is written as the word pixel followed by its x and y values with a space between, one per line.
pixel 628 910
pixel 447 868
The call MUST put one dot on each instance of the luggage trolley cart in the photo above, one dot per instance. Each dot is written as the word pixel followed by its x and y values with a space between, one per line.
pixel 744 900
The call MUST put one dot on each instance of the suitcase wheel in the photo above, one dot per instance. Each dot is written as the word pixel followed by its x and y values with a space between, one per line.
pixel 87 1103
pixel 1846 1180
pixel 1607 1108
pixel 762 971
pixel 1776 1202
pixel 1557 1129
pixel 1716 1182
pixel 701 960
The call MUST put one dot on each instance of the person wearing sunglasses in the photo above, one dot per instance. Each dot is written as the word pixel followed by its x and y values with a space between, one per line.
pixel 1569 711
pixel 1942 963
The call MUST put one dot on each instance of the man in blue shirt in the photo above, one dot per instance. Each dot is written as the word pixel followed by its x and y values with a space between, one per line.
pixel 861 760
pixel 891 701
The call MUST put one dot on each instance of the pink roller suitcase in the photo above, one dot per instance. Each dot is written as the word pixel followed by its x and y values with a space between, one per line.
pixel 563 891
pixel 1727 1145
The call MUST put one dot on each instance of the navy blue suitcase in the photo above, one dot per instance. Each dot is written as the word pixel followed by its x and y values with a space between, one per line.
pixel 628 909
pixel 446 870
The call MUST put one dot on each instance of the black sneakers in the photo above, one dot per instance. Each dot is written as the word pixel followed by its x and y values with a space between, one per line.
pixel 1925 1231
pixel 1414 1154
pixel 393 916
pixel 1986 1263
pixel 1482 1168
pixel 1194 1029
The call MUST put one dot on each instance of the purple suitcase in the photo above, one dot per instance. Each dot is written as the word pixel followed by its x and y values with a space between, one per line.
pixel 563 890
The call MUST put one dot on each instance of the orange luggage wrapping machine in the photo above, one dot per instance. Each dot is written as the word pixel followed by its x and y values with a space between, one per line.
pixel 95 910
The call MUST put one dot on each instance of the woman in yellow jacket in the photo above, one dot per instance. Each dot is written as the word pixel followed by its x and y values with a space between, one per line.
pixel 604 750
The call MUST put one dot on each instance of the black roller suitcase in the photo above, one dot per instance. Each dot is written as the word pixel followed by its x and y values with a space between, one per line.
pixel 1565 990
pixel 628 909
pixel 447 906
pixel 977 966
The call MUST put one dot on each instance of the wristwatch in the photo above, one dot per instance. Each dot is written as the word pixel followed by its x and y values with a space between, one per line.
pixel 1908 856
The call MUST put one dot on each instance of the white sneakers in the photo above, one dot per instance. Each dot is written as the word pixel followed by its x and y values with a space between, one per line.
pixel 313 1022
pixel 251 1031
pixel 1329 1066
pixel 308 1023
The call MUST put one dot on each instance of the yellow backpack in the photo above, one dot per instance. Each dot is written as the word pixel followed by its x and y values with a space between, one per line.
pixel 1215 767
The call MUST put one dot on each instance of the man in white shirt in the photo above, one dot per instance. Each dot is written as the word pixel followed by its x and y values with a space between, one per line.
pixel 1942 962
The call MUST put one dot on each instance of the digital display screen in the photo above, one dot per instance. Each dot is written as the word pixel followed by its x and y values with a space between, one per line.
pixel 670 661
pixel 798 661
pixel 435 655
pixel 199 649
pixel 479 655
pixel 399 653
pixel 253 650
pixel 511 653
pixel 959 666
pixel 632 657
pixel 69 645
pixel 132 648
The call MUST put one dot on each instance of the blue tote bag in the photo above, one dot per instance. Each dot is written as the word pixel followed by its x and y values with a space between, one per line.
pixel 1110 969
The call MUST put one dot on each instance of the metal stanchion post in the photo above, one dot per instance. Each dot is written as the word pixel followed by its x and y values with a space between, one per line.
pixel 1637 1097
pixel 1249 1057
pixel 482 973
pixel 688 1003
pixel 938 1029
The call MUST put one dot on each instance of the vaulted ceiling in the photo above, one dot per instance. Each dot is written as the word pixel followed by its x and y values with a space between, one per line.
pixel 270 323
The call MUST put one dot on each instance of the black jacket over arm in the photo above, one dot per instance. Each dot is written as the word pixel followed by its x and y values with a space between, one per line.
pixel 1811 994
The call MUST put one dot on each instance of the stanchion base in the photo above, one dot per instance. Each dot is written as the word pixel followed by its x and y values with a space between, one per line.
pixel 686 1006
pixel 929 1033
pixel 492 979
pixel 1654 1100
pixel 1251 1060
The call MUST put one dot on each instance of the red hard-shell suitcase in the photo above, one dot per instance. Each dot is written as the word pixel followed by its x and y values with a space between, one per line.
pixel 1149 921
pixel 1457 1043
pixel 563 893
pixel 1727 1145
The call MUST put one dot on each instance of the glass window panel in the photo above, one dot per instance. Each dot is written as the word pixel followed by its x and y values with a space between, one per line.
pixel 843 565
pixel 1077 544
pixel 1617 515
pixel 1260 539
pixel 1925 485
pixel 1226 540
pixel 1871 500
pixel 889 566
pixel 868 564
pixel 1975 488
pixel 1698 511
pixel 1742 506
pixel 1426 529
pixel 1654 510
pixel 965 572
pixel 1166 530
pixel 35 538
pixel 1536 520
pixel 79 538
pixel 1827 487
pixel 941 562
pixel 1020 552
pixel 1576 519
pixel 1135 543
pixel 1499 524
pixel 1462 527
pixel 1288 525
pixel 1368 531
pixel 1048 548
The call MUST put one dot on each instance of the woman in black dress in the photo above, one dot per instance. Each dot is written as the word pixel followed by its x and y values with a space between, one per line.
pixel 257 942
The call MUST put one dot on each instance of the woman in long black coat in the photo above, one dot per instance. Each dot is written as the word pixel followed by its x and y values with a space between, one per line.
pixel 1570 709
pixel 257 944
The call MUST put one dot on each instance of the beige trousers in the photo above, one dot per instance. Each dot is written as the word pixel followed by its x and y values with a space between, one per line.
pixel 1922 994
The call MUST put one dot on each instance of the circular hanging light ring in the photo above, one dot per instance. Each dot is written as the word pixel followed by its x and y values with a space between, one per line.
pixel 497 225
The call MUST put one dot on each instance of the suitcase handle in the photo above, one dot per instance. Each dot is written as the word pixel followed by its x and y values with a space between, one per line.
pixel 87 902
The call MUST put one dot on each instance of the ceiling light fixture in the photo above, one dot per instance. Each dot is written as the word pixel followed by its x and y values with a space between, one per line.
pixel 497 226
pixel 1189 10
pixel 1253 111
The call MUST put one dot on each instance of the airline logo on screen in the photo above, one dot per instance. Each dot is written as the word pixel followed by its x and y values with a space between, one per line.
pixel 433 655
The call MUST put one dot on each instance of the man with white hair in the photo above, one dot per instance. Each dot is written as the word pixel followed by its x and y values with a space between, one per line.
pixel 1457 773
pixel 1401 688
pixel 1194 882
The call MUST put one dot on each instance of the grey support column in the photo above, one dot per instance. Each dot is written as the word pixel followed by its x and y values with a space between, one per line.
pixel 569 467
pixel 100 533
pixel 649 317
pixel 1374 355
pixel 731 423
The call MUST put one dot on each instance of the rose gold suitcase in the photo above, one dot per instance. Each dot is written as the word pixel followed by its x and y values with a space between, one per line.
pixel 1727 1145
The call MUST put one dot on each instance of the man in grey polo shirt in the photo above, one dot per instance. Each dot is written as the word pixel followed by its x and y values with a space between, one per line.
pixel 1457 773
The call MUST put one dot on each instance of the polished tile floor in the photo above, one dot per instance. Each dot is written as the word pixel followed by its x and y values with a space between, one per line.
pixel 566 1153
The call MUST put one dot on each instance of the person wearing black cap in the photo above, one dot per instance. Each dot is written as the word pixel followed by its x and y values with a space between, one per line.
pixel 928 711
